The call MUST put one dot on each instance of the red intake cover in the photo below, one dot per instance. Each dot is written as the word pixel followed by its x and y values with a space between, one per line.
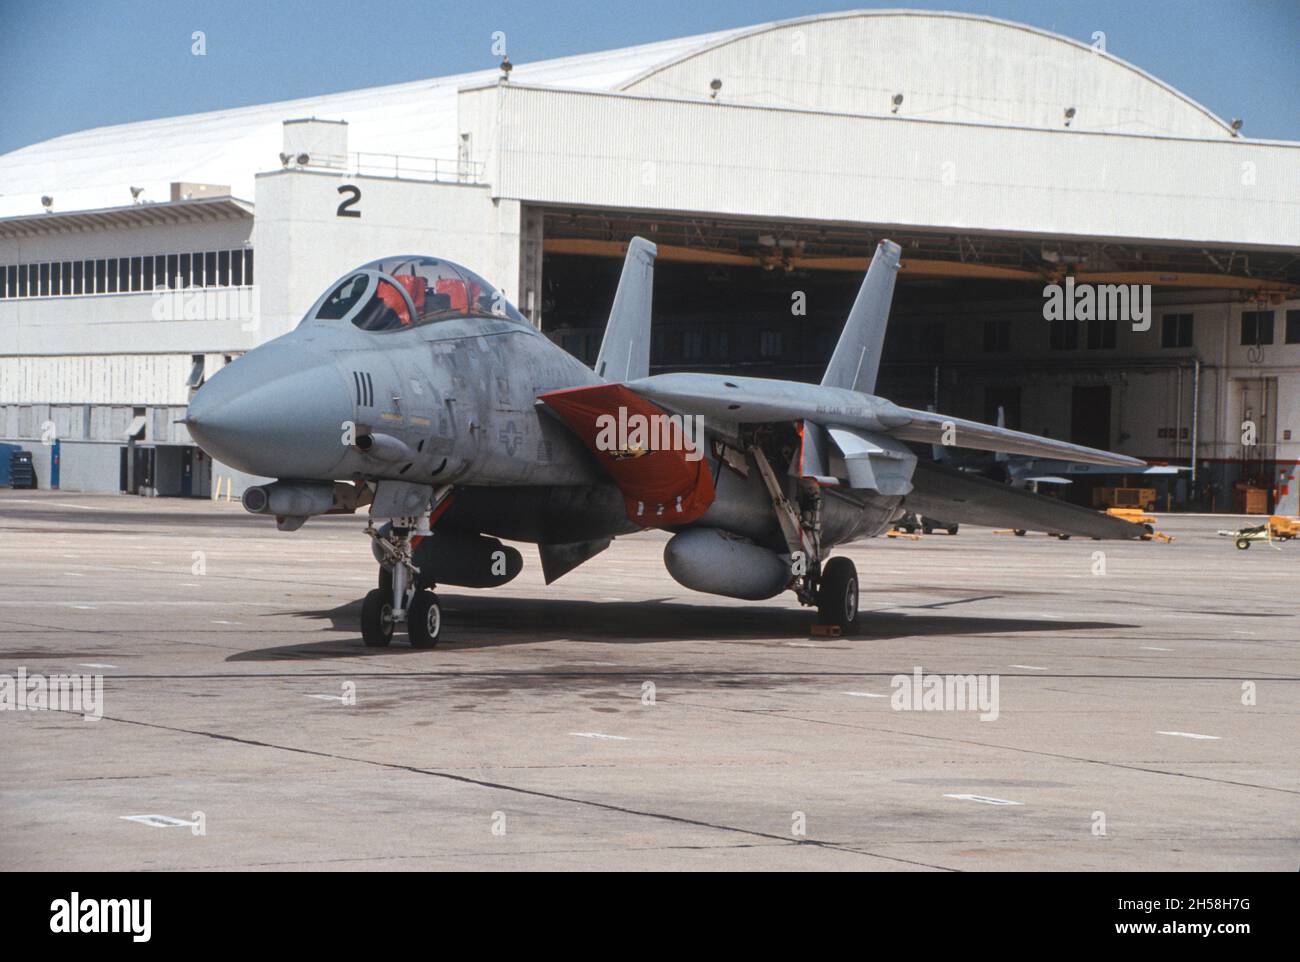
pixel 661 488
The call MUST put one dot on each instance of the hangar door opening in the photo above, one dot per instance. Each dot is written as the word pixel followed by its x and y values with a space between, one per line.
pixel 767 300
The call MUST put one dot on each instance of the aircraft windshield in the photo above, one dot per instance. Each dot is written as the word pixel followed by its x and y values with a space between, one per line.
pixel 400 292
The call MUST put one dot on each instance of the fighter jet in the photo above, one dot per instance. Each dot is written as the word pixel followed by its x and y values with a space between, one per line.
pixel 412 388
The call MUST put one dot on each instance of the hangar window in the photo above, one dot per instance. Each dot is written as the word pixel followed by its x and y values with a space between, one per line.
pixel 210 268
pixel 223 268
pixel 1256 327
pixel 1101 333
pixel 1292 326
pixel 1176 330
pixel 720 345
pixel 769 344
pixel 997 336
pixel 695 343
pixel 124 274
pixel 1065 334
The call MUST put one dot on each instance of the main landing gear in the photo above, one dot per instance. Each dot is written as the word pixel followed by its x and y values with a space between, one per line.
pixel 833 586
pixel 837 594
pixel 400 598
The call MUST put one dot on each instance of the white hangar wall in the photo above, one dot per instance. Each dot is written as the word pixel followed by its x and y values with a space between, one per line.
pixel 614 150
pixel 947 66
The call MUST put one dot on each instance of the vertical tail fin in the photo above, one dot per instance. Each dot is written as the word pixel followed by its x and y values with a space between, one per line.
pixel 1002 422
pixel 625 351
pixel 856 360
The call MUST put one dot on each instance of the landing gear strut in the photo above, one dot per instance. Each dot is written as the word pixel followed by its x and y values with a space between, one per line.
pixel 832 588
pixel 399 599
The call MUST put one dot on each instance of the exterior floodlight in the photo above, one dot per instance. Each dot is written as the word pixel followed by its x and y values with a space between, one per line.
pixel 303 160
pixel 715 85
pixel 1069 115
pixel 284 159
pixel 897 102
pixel 47 202
pixel 506 67
pixel 1236 126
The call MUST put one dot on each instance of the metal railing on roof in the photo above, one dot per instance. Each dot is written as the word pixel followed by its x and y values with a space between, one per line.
pixel 459 171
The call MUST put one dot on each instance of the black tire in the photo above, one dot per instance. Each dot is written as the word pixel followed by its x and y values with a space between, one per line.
pixel 1063 537
pixel 377 619
pixel 423 620
pixel 1019 532
pixel 927 528
pixel 1242 544
pixel 386 580
pixel 837 595
pixel 1148 529
pixel 952 528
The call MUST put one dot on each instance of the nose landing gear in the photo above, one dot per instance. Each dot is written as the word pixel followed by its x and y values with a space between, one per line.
pixel 399 599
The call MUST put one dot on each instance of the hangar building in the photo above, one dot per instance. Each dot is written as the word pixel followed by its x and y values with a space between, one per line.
pixel 766 162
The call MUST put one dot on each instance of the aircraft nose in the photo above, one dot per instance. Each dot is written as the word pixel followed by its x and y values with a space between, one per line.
pixel 276 412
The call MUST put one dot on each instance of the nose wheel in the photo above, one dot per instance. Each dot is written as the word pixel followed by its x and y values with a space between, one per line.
pixel 399 599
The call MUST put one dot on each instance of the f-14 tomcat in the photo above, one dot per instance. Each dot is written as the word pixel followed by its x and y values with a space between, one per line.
pixel 414 389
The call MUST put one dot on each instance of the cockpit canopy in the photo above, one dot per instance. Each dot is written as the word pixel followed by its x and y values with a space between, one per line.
pixel 396 293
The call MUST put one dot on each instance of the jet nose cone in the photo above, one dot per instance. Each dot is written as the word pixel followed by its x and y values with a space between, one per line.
pixel 275 412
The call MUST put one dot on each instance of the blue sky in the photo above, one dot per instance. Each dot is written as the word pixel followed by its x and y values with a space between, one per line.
pixel 75 64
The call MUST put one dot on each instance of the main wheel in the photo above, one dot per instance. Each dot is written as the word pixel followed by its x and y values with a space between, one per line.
pixel 377 619
pixel 837 596
pixel 423 619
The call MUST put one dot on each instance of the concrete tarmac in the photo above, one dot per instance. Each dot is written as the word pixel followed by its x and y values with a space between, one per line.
pixel 1148 706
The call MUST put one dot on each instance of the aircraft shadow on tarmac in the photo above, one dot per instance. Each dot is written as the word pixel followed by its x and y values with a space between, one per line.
pixel 479 621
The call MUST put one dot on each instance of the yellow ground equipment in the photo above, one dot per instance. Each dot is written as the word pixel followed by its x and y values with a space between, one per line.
pixel 1143 499
pixel 1138 516
pixel 1276 528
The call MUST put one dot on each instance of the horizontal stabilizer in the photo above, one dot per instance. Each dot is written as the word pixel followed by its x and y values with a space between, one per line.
pixel 958 498
pixel 559 559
